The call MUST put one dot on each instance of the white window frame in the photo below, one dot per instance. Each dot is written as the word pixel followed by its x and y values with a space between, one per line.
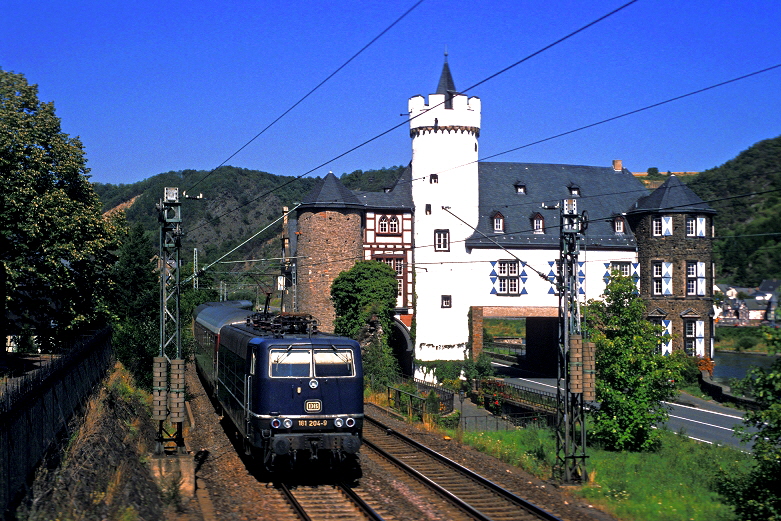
pixel 393 224
pixel 441 240
pixel 691 278
pixel 447 301
pixel 509 280
pixel 656 280
pixel 538 223
pixel 691 226
pixel 656 226
pixel 498 223
pixel 618 225
pixel 689 336
pixel 623 267
pixel 382 224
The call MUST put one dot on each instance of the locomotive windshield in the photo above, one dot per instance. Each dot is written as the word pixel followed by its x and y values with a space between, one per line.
pixel 295 362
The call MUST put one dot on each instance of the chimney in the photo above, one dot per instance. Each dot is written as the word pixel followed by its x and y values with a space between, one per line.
pixel 618 165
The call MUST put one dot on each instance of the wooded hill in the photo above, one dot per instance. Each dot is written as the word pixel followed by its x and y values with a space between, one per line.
pixel 236 204
pixel 746 191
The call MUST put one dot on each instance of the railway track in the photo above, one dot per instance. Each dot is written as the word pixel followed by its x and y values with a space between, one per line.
pixel 332 503
pixel 473 495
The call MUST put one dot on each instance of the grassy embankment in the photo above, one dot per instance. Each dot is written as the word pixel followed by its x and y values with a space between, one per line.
pixel 672 484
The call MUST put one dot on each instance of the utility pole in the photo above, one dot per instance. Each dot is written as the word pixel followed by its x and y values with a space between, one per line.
pixel 575 358
pixel 168 392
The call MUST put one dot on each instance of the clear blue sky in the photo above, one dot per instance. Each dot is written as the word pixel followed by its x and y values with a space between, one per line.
pixel 157 86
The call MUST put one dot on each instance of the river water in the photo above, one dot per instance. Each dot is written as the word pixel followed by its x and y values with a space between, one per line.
pixel 735 365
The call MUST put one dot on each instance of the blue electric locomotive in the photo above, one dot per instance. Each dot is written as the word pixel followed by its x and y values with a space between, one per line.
pixel 290 391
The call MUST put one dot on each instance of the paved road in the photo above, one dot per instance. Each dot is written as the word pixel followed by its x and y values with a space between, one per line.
pixel 698 419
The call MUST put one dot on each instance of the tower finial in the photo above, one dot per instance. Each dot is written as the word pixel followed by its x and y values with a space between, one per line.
pixel 445 53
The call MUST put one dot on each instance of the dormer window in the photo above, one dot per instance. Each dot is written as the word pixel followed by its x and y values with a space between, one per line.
pixel 538 223
pixel 433 179
pixel 618 225
pixel 498 221
pixel 574 190
pixel 520 188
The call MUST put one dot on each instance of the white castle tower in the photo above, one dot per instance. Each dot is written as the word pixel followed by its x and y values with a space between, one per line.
pixel 444 135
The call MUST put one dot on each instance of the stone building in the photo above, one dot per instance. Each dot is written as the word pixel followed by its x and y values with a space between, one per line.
pixel 674 232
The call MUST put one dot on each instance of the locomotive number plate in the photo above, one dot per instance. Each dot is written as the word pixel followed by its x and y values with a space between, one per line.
pixel 313 405
pixel 313 423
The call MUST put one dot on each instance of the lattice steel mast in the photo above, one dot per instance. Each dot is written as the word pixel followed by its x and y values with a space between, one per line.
pixel 168 393
pixel 575 359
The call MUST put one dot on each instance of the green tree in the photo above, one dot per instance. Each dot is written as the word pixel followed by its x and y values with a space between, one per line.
pixel 757 495
pixel 632 378
pixel 56 244
pixel 366 290
pixel 363 296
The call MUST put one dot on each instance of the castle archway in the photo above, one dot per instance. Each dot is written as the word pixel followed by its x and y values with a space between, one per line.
pixel 400 342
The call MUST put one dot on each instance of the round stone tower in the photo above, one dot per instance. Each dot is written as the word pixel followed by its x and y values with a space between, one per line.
pixel 329 240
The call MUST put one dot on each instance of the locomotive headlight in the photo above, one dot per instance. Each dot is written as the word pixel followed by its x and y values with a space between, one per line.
pixel 350 422
pixel 287 423
pixel 338 422
pixel 275 423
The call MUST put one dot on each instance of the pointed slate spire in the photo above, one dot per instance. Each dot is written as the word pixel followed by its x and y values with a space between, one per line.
pixel 446 85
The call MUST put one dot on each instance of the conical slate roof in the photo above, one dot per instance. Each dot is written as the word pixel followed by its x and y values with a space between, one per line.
pixel 446 83
pixel 673 196
pixel 331 193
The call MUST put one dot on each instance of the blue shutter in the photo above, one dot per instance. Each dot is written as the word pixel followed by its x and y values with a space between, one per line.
pixel 701 279
pixel 699 338
pixel 667 225
pixel 667 278
pixel 667 336
pixel 700 226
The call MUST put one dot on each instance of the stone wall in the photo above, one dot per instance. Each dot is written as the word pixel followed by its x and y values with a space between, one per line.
pixel 329 242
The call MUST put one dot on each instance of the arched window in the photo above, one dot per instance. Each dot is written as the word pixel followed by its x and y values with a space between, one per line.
pixel 383 225
pixel 538 224
pixel 393 225
pixel 498 222
pixel 618 225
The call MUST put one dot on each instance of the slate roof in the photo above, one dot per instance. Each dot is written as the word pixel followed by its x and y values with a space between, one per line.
pixel 446 83
pixel 604 194
pixel 331 193
pixel 770 285
pixel 672 195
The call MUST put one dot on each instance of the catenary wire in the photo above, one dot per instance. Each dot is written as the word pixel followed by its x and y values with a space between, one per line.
pixel 405 122
pixel 245 145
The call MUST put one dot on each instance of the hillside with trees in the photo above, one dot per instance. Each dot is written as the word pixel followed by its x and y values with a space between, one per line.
pixel 237 203
pixel 746 191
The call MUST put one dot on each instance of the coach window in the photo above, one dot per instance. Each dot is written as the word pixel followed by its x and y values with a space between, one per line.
pixel 333 362
pixel 293 363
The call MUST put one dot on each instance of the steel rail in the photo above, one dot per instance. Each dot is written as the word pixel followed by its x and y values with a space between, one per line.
pixel 502 492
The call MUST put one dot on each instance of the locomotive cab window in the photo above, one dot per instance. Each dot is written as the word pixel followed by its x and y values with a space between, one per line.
pixel 294 363
pixel 333 362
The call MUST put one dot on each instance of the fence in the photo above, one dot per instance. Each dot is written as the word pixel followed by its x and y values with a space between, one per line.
pixel 507 422
pixel 499 391
pixel 36 409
